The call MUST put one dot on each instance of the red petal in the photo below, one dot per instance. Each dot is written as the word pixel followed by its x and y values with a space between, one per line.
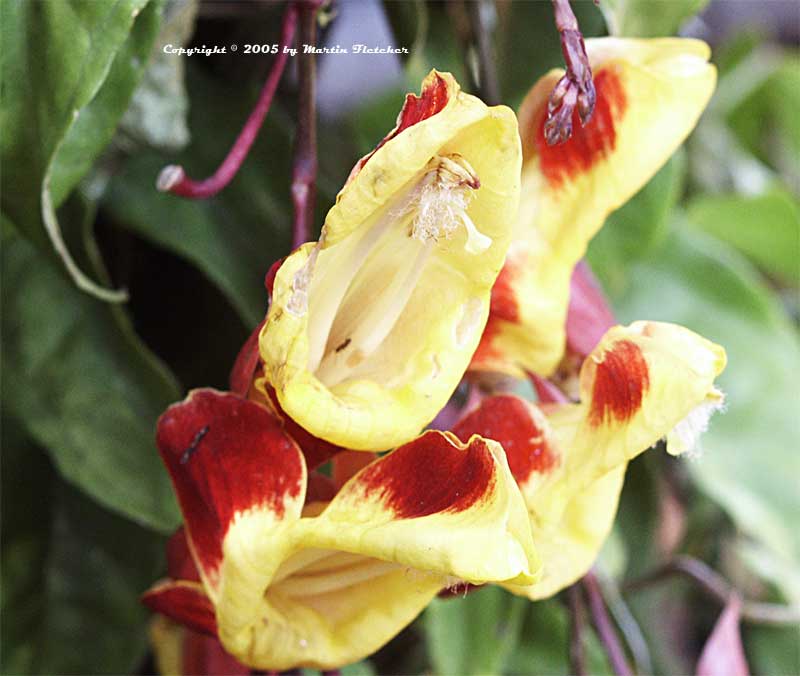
pixel 320 488
pixel 246 364
pixel 723 654
pixel 589 315
pixel 503 307
pixel 430 475
pixel 509 420
pixel 269 280
pixel 225 455
pixel 432 100
pixel 504 299
pixel 205 655
pixel 588 144
pixel 185 603
pixel 348 463
pixel 180 564
pixel 316 451
pixel 621 380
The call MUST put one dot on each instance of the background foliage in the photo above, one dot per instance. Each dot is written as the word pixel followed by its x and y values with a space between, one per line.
pixel 92 109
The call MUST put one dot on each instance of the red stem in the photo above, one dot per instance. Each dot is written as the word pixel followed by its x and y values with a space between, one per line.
pixel 304 171
pixel 605 628
pixel 174 179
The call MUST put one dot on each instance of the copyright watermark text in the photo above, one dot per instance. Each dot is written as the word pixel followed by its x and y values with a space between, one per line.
pixel 356 48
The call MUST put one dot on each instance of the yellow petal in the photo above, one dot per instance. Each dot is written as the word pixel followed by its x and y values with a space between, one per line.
pixel 650 94
pixel 372 328
pixel 347 577
pixel 436 505
pixel 640 384
pixel 285 585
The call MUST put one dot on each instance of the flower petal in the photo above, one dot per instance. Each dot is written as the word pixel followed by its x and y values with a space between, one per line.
pixel 588 315
pixel 185 602
pixel 179 651
pixel 231 464
pixel 524 433
pixel 641 383
pixel 650 94
pixel 246 364
pixel 348 576
pixel 372 328
pixel 437 505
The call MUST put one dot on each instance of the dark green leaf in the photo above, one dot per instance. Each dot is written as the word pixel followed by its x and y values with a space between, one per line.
pixel 72 574
pixel 84 387
pixel 235 236
pixel 69 69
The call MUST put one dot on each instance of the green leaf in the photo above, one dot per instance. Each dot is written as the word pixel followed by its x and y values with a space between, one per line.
pixel 749 464
pixel 648 18
pixel 639 225
pixel 84 387
pixel 72 574
pixel 544 644
pixel 475 634
pixel 765 228
pixel 159 107
pixel 69 69
pixel 236 235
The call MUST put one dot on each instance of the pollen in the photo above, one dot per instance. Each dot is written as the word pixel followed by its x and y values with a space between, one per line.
pixel 439 203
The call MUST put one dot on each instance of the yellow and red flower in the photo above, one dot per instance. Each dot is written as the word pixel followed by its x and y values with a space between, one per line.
pixel 284 582
pixel 368 334
pixel 371 328
pixel 650 94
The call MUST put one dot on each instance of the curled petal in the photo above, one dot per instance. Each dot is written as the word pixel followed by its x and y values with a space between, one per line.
pixel 232 465
pixel 327 589
pixel 641 383
pixel 372 327
pixel 650 94
pixel 185 602
pixel 366 564
pixel 401 506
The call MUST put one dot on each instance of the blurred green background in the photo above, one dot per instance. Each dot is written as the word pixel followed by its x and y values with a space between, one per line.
pixel 92 109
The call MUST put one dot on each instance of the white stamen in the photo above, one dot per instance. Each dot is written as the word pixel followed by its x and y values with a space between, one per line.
pixel 440 205
pixel 430 208
pixel 685 437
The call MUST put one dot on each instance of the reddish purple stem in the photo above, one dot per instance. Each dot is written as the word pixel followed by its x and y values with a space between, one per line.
pixel 173 178
pixel 604 626
pixel 304 171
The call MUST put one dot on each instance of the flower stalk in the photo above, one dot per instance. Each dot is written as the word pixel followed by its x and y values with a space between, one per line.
pixel 577 651
pixel 173 177
pixel 604 626
pixel 304 171
pixel 714 585
pixel 481 19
